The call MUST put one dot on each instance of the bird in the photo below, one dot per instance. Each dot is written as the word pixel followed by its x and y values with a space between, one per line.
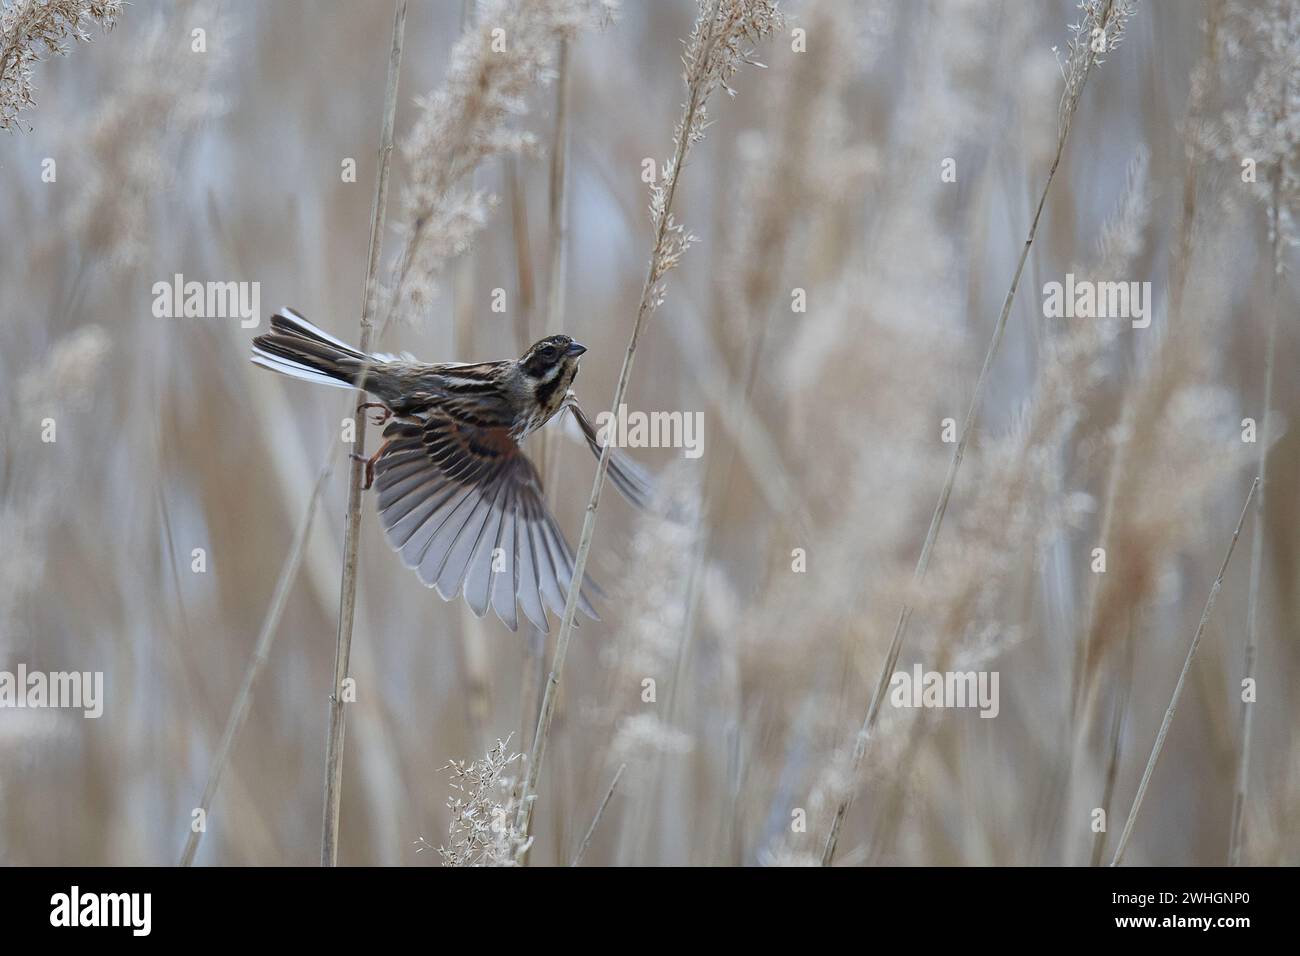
pixel 458 499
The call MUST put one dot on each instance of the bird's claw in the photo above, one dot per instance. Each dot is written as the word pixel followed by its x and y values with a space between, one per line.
pixel 369 478
pixel 381 417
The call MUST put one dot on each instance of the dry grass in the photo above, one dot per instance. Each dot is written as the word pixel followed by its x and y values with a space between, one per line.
pixel 30 28
pixel 1099 30
pixel 823 433
pixel 721 41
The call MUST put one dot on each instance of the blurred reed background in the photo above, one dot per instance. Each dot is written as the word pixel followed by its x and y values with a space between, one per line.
pixel 823 431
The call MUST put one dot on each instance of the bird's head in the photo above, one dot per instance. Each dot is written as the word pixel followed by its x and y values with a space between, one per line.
pixel 553 361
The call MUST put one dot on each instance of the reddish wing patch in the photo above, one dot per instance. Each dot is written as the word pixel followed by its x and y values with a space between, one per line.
pixel 466 454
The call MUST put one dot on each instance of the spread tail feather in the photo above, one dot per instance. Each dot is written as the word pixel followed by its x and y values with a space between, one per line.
pixel 296 347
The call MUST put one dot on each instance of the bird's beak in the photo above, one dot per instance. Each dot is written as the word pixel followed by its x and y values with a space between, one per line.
pixel 575 349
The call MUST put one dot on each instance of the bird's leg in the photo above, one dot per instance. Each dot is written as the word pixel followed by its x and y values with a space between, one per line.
pixel 370 464
pixel 384 415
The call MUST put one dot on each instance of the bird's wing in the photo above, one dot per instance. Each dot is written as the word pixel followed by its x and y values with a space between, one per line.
pixel 471 394
pixel 463 507
pixel 632 481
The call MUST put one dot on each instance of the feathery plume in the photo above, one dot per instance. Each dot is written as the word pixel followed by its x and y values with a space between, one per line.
pixel 719 43
pixel 135 140
pixel 481 831
pixel 29 28
pixel 495 64
pixel 1265 127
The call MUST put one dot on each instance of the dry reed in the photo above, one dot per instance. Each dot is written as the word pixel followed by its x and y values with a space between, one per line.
pixel 29 28
pixel 351 540
pixel 718 45
pixel 1104 19
pixel 1127 832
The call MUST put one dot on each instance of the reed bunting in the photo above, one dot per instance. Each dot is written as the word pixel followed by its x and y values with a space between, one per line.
pixel 457 497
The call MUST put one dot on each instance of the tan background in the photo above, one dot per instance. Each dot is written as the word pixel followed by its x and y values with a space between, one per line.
pixel 226 166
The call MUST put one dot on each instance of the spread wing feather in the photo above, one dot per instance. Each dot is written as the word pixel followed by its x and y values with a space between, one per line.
pixel 632 481
pixel 463 506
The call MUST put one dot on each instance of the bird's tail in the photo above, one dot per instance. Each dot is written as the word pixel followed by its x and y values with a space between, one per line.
pixel 296 347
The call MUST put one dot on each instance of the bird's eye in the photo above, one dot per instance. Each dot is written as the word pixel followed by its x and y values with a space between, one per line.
pixel 548 352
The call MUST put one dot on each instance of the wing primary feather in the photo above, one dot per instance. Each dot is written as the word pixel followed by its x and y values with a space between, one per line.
pixel 530 598
pixel 429 522
pixel 405 521
pixel 402 496
pixel 505 583
pixel 547 572
pixel 455 565
pixel 451 519
pixel 564 560
pixel 632 481
pixel 478 580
